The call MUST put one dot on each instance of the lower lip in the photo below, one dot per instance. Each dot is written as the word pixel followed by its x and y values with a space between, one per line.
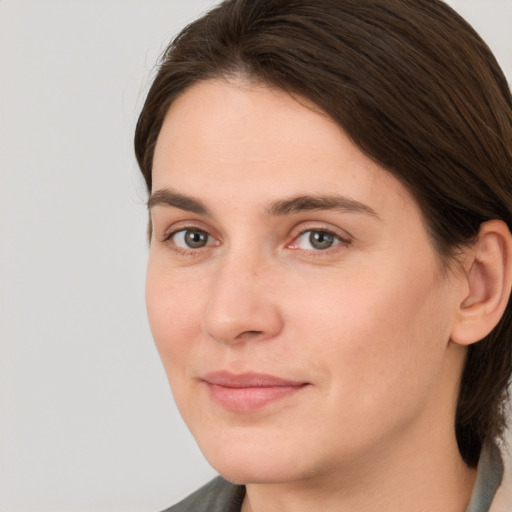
pixel 249 398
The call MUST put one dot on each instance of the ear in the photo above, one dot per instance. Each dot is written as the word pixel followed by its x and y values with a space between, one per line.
pixel 488 282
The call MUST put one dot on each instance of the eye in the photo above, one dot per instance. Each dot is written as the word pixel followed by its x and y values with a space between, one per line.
pixel 318 240
pixel 191 238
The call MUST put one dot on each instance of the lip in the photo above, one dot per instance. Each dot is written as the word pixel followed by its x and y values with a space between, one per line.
pixel 248 391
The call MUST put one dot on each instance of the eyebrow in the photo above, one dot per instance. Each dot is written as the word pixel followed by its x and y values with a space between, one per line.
pixel 306 203
pixel 167 197
pixel 293 205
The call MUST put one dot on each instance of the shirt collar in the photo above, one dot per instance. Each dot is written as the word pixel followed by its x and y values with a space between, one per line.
pixel 488 479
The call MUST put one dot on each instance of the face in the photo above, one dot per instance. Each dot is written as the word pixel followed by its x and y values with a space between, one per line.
pixel 292 291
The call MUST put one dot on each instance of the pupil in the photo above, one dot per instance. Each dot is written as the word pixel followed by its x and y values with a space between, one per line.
pixel 321 240
pixel 196 239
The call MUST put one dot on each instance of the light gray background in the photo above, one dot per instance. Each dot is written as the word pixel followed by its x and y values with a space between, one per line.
pixel 87 421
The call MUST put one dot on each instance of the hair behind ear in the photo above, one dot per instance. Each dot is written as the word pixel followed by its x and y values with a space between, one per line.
pixel 484 323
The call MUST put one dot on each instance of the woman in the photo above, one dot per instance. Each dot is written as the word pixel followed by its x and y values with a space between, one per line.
pixel 331 262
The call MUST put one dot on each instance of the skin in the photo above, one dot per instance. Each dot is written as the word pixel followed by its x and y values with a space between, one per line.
pixel 365 324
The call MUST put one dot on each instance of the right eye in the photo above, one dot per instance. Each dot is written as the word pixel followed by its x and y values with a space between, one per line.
pixel 191 238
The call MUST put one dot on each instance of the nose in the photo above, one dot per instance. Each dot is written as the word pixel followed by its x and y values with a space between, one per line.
pixel 241 306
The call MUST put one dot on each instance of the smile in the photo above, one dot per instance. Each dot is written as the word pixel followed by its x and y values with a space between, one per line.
pixel 249 391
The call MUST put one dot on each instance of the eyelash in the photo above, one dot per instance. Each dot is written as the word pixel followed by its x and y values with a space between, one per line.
pixel 341 240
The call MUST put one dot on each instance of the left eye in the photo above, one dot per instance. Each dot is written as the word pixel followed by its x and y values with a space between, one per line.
pixel 317 240
pixel 192 239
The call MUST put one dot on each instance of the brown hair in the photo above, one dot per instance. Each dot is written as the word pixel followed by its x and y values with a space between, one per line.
pixel 415 88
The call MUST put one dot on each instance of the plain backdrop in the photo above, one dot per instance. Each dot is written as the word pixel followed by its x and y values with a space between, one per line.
pixel 87 421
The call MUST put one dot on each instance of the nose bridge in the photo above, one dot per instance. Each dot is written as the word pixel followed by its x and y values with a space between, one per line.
pixel 241 304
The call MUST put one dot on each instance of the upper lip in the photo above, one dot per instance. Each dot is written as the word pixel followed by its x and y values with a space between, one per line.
pixel 247 380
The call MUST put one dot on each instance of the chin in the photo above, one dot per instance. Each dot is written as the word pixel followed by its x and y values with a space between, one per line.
pixel 254 471
pixel 255 459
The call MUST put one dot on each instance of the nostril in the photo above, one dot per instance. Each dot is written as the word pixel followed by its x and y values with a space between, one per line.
pixel 248 334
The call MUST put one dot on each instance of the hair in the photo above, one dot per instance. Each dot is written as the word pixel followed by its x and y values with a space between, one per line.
pixel 416 89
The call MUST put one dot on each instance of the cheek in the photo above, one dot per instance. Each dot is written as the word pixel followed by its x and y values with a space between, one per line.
pixel 380 339
pixel 173 314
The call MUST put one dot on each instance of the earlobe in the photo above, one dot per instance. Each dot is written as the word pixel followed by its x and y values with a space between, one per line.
pixel 488 277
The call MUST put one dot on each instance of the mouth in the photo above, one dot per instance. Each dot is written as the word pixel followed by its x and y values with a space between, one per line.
pixel 248 391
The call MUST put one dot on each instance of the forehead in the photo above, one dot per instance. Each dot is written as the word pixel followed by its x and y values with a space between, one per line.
pixel 241 122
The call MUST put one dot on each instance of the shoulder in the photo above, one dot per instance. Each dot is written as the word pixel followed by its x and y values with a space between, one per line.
pixel 219 495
